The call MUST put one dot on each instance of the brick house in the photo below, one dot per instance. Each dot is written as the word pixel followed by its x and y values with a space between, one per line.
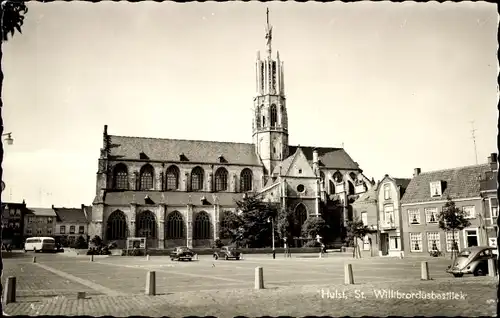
pixel 13 223
pixel 489 188
pixel 71 223
pixel 425 197
pixel 380 209
pixel 39 222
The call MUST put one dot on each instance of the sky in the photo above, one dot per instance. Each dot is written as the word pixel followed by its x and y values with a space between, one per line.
pixel 397 84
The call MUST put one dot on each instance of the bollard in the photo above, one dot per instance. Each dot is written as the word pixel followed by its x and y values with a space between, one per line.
pixel 147 257
pixel 151 283
pixel 241 256
pixel 9 295
pixel 195 257
pixel 92 258
pixel 320 255
pixel 81 295
pixel 34 259
pixel 259 278
pixel 348 276
pixel 401 255
pixel 425 271
pixel 492 268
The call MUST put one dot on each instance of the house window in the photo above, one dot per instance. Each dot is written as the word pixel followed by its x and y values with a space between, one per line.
pixel 413 216
pixel 431 215
pixel 72 229
pixel 394 242
pixel 387 192
pixel 433 241
pixel 49 220
pixel 364 218
pixel 81 229
pixel 436 189
pixel 18 212
pixel 366 243
pixel 470 212
pixel 49 231
pixel 450 237
pixel 30 219
pixel 416 242
pixel 62 229
pixel 389 213
pixel 28 231
pixel 39 231
pixel 471 238
pixel 494 207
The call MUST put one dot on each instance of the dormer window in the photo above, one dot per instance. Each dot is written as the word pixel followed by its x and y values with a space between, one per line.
pixel 182 157
pixel 222 159
pixel 300 171
pixel 436 190
pixel 143 156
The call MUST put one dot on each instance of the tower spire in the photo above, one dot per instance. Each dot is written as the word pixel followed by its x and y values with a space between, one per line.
pixel 269 33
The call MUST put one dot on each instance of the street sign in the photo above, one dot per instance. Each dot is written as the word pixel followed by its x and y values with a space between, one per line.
pixel 3 186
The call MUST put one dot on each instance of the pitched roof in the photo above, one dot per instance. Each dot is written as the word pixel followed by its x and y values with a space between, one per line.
pixel 42 212
pixel 171 198
pixel 402 182
pixel 459 183
pixel 368 196
pixel 71 215
pixel 329 157
pixel 193 150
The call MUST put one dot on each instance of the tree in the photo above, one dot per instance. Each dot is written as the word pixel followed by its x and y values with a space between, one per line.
pixel 313 226
pixel 355 231
pixel 452 219
pixel 229 226
pixel 11 19
pixel 254 228
pixel 284 224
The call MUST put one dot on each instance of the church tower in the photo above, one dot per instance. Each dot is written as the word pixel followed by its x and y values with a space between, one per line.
pixel 270 122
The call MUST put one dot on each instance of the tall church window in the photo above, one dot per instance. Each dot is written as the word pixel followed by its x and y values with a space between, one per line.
pixel 117 228
pixel 263 121
pixel 172 178
pixel 246 177
pixel 197 179
pixel 146 225
pixel 274 115
pixel 262 77
pixel 120 177
pixel 201 230
pixel 300 219
pixel 221 179
pixel 146 177
pixel 322 179
pixel 174 227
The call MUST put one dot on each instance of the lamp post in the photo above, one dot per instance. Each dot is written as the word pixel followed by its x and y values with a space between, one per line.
pixel 8 138
pixel 270 220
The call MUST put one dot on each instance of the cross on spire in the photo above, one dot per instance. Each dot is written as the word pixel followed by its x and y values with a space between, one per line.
pixel 269 33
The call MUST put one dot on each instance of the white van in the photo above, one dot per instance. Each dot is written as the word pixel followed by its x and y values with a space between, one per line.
pixel 37 244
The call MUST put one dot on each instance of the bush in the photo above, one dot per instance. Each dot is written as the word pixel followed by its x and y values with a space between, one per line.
pixel 218 243
pixel 312 244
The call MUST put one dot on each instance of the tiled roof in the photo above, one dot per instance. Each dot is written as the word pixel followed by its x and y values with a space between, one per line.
pixel 459 183
pixel 368 196
pixel 329 157
pixel 193 150
pixel 171 198
pixel 42 212
pixel 71 215
pixel 403 183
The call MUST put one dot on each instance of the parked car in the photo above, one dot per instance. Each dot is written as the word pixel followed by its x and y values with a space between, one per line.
pixel 181 253
pixel 227 252
pixel 472 260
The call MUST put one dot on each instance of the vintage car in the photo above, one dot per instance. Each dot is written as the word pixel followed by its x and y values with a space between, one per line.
pixel 181 253
pixel 472 260
pixel 227 252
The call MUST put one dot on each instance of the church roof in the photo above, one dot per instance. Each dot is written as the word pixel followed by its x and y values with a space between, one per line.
pixel 459 183
pixel 333 158
pixel 369 196
pixel 124 147
pixel 171 198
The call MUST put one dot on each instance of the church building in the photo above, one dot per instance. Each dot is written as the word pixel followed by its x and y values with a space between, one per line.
pixel 177 192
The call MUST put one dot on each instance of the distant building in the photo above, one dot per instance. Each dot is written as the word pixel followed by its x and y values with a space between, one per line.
pixel 489 187
pixel 380 209
pixel 425 198
pixel 39 222
pixel 71 223
pixel 12 223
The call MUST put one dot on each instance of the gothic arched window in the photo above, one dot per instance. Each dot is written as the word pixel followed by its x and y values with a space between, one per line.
pixel 337 176
pixel 120 177
pixel 300 219
pixel 146 177
pixel 172 178
pixel 221 179
pixel 197 179
pixel 353 176
pixel 274 115
pixel 332 187
pixel 201 230
pixel 174 227
pixel 246 177
pixel 146 225
pixel 116 226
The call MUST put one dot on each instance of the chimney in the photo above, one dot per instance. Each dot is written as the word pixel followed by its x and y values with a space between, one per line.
pixel 52 207
pixel 105 130
pixel 493 161
pixel 416 172
pixel 83 206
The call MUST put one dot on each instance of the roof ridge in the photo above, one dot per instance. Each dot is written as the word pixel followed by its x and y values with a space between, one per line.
pixel 175 139
pixel 317 147
pixel 456 168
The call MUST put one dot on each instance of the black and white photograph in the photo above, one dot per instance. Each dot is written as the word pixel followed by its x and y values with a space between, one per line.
pixel 225 159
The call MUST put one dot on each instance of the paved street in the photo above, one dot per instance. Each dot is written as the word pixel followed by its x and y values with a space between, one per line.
pixel 109 279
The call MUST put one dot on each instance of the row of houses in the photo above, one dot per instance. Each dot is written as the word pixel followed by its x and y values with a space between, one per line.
pixel 404 212
pixel 65 224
